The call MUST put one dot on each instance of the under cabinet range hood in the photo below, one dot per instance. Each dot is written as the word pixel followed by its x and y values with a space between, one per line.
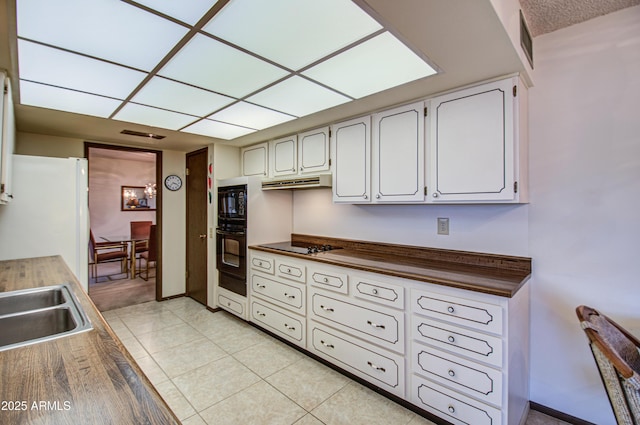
pixel 297 182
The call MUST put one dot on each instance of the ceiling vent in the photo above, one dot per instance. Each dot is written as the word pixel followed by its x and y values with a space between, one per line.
pixel 141 134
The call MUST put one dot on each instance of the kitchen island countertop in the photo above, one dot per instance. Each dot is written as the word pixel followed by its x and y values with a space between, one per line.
pixel 84 378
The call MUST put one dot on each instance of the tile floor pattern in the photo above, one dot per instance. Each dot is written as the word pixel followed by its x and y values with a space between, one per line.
pixel 212 368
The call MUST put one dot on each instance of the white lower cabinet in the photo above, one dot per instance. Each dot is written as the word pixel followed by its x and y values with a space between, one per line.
pixel 233 303
pixel 380 367
pixel 457 354
pixel 452 406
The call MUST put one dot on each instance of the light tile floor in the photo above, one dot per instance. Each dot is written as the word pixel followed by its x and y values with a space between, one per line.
pixel 212 368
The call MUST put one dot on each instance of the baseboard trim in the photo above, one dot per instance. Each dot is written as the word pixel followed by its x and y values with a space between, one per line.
pixel 558 415
pixel 172 297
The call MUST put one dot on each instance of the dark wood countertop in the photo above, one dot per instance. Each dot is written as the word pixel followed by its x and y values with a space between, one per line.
pixel 86 378
pixel 479 272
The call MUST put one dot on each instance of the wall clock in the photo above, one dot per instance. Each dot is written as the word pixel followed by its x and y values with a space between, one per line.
pixel 173 182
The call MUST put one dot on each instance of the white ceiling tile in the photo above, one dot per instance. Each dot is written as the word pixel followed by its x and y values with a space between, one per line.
pixel 189 11
pixel 217 129
pixel 43 96
pixel 375 65
pixel 179 97
pixel 207 63
pixel 249 115
pixel 107 29
pixel 298 96
pixel 154 117
pixel 59 68
pixel 292 33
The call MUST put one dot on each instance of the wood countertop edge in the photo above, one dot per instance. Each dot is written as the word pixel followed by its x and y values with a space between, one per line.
pixel 510 287
pixel 132 391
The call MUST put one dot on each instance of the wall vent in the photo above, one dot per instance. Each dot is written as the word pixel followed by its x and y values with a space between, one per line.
pixel 525 39
pixel 141 134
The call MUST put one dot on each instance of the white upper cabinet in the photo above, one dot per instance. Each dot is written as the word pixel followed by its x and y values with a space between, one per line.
pixel 7 139
pixel 305 153
pixel 351 147
pixel 313 151
pixel 284 156
pixel 254 160
pixel 473 145
pixel 398 154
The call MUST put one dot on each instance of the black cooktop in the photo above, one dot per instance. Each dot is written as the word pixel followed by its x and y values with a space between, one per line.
pixel 288 247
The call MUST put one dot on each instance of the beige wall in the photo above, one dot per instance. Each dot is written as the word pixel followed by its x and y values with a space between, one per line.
pixel 174 218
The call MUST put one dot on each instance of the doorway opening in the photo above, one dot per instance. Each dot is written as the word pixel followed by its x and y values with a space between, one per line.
pixel 125 194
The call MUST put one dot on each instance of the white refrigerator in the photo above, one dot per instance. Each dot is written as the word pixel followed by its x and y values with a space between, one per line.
pixel 49 213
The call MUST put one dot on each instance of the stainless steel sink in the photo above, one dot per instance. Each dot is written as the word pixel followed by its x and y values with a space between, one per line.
pixel 41 314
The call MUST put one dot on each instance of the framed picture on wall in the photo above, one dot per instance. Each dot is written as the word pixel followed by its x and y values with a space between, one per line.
pixel 134 198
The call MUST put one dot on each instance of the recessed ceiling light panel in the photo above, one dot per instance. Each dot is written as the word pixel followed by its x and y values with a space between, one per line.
pixel 189 11
pixel 292 33
pixel 217 129
pixel 68 70
pixel 154 117
pixel 375 65
pixel 107 29
pixel 179 97
pixel 298 96
pixel 43 96
pixel 249 115
pixel 207 63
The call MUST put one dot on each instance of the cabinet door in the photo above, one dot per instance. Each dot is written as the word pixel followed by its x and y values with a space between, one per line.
pixel 472 144
pixel 284 156
pixel 7 139
pixel 313 151
pixel 351 147
pixel 398 154
pixel 254 160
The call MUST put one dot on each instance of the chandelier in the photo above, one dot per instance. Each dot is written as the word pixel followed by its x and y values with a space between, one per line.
pixel 151 190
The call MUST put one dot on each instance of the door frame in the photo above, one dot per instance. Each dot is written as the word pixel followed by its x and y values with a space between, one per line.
pixel 158 154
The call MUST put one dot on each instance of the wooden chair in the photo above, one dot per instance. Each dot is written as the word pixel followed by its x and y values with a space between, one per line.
pixel 616 353
pixel 104 252
pixel 140 230
pixel 151 254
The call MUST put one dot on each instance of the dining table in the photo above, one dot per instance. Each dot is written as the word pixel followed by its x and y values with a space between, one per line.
pixel 122 239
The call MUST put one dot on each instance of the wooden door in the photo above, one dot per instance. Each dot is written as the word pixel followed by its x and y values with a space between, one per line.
pixel 398 154
pixel 196 187
pixel 351 147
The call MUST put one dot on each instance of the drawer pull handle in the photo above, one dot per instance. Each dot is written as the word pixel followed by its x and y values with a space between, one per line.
pixel 375 325
pixel 452 373
pixel 261 286
pixel 291 328
pixel 289 271
pixel 329 309
pixel 450 309
pixel 380 368
pixel 451 338
pixel 325 280
pixel 259 263
pixel 326 345
pixel 259 313
pixel 451 409
pixel 289 296
pixel 374 292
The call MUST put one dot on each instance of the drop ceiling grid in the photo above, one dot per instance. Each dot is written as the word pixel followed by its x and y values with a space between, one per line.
pixel 183 73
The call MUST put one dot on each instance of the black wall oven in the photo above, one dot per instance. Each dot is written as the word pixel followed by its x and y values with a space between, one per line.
pixel 231 239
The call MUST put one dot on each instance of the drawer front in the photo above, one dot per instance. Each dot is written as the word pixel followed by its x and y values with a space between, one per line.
pixel 231 305
pixel 377 326
pixel 465 342
pixel 330 280
pixel 462 375
pixel 262 263
pixel 282 294
pixel 478 315
pixel 451 406
pixel 378 292
pixel 279 322
pixel 291 270
pixel 374 364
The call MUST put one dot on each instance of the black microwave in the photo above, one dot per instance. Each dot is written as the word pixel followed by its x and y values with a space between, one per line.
pixel 232 203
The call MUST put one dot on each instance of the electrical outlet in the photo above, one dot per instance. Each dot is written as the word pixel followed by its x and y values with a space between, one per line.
pixel 443 225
